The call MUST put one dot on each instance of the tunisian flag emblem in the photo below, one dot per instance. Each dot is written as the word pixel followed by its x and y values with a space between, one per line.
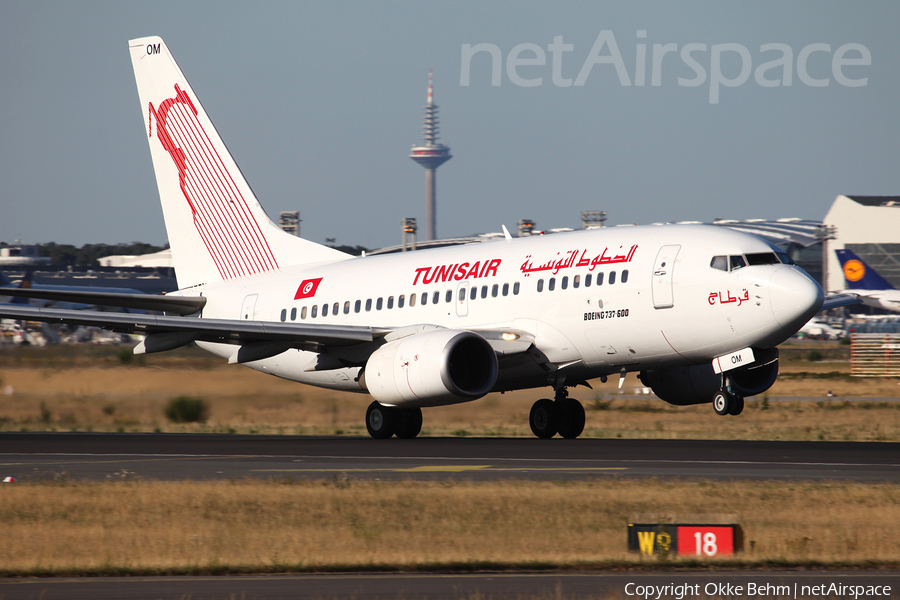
pixel 307 288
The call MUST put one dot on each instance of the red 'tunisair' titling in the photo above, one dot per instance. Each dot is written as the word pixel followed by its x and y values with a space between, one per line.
pixel 456 272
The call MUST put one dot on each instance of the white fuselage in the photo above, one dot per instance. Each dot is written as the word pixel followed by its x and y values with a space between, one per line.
pixel 886 299
pixel 654 300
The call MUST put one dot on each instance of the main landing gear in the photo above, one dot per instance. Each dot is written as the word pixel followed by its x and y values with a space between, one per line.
pixel 564 416
pixel 727 401
pixel 383 422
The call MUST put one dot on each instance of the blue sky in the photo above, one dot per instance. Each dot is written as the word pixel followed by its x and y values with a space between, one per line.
pixel 320 102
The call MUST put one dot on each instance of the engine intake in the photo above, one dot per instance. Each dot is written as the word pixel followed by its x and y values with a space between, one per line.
pixel 433 368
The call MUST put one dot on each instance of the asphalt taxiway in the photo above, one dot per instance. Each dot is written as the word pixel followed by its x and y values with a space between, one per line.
pixel 92 456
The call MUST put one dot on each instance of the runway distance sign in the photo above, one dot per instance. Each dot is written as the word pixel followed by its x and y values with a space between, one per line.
pixel 702 540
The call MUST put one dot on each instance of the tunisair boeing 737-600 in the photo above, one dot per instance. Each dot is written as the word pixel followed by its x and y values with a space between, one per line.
pixel 697 311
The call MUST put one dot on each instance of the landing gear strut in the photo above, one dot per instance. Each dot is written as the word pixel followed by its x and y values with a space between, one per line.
pixel 564 416
pixel 383 422
pixel 727 401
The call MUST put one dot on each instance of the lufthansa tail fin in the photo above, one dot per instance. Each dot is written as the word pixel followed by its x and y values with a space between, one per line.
pixel 216 226
pixel 858 275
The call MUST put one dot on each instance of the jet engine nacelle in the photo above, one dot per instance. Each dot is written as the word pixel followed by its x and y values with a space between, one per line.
pixel 698 384
pixel 433 368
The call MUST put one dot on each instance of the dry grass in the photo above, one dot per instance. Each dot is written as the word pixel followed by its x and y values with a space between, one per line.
pixel 79 527
pixel 132 399
pixel 88 389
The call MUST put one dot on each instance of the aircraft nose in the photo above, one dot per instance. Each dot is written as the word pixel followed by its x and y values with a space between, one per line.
pixel 795 297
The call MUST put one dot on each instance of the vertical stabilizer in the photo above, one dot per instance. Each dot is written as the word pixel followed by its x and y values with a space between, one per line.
pixel 216 226
pixel 858 275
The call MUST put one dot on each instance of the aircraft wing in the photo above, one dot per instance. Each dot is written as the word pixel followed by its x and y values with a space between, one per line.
pixel 166 333
pixel 179 305
pixel 838 300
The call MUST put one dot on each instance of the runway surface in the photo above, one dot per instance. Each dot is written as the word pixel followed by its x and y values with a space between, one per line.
pixel 521 586
pixel 86 456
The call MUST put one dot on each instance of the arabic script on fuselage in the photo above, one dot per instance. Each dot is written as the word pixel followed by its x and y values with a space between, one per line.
pixel 716 297
pixel 578 258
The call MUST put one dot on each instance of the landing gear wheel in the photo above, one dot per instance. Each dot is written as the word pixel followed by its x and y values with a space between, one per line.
pixel 721 403
pixel 381 421
pixel 409 423
pixel 571 418
pixel 544 419
pixel 737 405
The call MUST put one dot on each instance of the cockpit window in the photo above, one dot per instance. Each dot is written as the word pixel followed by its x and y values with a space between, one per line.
pixel 719 262
pixel 762 258
pixel 784 258
pixel 736 262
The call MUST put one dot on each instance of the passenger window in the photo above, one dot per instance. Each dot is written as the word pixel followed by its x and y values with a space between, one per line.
pixel 719 262
pixel 516 289
pixel 736 262
pixel 368 305
pixel 449 296
pixel 401 300
pixel 551 285
pixel 587 280
pixel 612 277
pixel 335 308
pixel 424 298
pixel 358 304
pixel 484 291
pixel 506 289
pixel 378 304
pixel 284 314
pixel 625 276
pixel 540 285
pixel 294 314
pixel 390 302
pixel 436 297
pixel 324 310
pixel 315 309
pixel 473 293
pixel 412 299
pixel 495 290
pixel 303 313
pixel 599 279
pixel 462 294
pixel 576 281
pixel 347 307
pixel 564 283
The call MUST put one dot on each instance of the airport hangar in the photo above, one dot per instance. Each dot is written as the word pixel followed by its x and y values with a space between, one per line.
pixel 870 227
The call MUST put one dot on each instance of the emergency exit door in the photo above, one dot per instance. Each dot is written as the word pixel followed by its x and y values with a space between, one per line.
pixel 663 271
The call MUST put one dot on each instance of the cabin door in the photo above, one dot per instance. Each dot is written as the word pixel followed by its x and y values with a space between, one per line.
pixel 663 270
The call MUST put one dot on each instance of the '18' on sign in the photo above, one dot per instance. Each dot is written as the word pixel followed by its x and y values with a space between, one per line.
pixel 705 541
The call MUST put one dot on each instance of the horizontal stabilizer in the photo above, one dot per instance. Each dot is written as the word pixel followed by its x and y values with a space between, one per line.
pixel 176 305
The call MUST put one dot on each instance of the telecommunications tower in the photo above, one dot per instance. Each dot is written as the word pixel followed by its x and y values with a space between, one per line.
pixel 430 155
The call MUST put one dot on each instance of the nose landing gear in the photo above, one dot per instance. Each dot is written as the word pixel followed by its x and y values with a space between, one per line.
pixel 727 401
